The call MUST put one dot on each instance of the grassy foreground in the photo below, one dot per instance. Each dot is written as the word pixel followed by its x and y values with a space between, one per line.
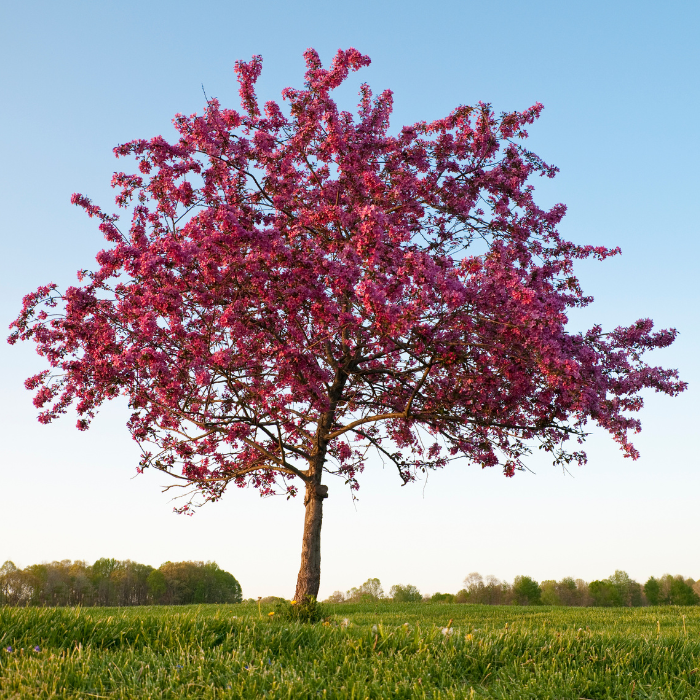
pixel 229 651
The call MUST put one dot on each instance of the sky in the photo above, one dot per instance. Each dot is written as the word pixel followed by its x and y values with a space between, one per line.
pixel 619 85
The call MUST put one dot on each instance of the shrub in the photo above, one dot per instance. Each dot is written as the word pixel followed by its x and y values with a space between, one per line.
pixel 308 610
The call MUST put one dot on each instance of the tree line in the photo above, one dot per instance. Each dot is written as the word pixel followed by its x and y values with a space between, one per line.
pixel 110 582
pixel 618 590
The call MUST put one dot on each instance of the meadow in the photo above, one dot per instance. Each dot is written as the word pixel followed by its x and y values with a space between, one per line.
pixel 383 650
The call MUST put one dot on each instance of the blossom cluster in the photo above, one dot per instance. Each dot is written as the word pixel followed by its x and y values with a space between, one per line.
pixel 297 285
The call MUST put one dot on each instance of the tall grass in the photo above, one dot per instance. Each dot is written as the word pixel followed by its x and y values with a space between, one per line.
pixel 383 651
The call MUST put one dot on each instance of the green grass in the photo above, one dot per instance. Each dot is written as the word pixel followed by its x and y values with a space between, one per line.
pixel 229 651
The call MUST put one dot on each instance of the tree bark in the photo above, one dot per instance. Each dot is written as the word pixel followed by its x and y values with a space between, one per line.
pixel 309 577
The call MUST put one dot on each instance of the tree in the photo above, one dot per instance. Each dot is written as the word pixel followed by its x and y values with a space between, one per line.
pixel 564 592
pixel 112 582
pixel 102 576
pixel 157 586
pixel 295 289
pixel 681 592
pixel 13 585
pixel 406 594
pixel 369 592
pixel 474 587
pixel 671 590
pixel 493 592
pixel 550 593
pixel 604 594
pixel 462 596
pixel 441 598
pixel 629 592
pixel 526 591
pixel 652 590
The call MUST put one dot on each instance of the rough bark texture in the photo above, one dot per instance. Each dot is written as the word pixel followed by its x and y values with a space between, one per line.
pixel 309 577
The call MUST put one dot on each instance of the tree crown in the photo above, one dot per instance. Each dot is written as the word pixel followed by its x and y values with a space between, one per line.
pixel 307 281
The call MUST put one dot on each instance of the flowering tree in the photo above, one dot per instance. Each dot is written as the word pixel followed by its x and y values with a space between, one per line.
pixel 295 289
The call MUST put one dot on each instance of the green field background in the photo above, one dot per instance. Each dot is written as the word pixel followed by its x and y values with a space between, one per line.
pixel 238 651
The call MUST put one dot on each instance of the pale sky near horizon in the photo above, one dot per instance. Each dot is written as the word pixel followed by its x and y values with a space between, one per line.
pixel 620 89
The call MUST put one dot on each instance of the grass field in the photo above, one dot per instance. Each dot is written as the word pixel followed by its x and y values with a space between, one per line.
pixel 230 651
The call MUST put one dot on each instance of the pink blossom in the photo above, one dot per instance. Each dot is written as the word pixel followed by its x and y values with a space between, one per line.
pixel 289 292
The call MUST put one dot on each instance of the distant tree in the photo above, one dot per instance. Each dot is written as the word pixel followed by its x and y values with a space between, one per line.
pixel 129 583
pixel 489 592
pixel 195 582
pixel 370 591
pixel 629 592
pixel 14 586
pixel 222 586
pixel 474 587
pixel 6 570
pixel 583 594
pixel 671 590
pixel 565 592
pixel 635 595
pixel 550 593
pixel 157 586
pixel 526 591
pixel 82 590
pixel 405 594
pixel 652 591
pixel 112 582
pixel 496 592
pixel 676 591
pixel 37 575
pixel 103 581
pixel 442 598
pixel 462 596
pixel 298 286
pixel 56 589
pixel 336 597
pixel 604 594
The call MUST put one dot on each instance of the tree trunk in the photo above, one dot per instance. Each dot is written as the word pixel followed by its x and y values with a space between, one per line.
pixel 309 577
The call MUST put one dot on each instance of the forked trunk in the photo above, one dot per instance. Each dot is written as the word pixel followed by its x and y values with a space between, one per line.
pixel 309 577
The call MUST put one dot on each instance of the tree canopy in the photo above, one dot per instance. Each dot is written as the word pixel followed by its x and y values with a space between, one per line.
pixel 298 286
pixel 113 582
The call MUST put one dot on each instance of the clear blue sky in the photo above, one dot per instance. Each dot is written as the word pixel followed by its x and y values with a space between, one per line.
pixel 619 81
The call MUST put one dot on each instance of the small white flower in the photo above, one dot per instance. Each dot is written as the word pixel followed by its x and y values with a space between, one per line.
pixel 447 631
pixel 374 629
pixel 345 623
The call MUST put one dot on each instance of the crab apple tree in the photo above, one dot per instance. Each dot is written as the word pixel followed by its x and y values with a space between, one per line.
pixel 298 286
